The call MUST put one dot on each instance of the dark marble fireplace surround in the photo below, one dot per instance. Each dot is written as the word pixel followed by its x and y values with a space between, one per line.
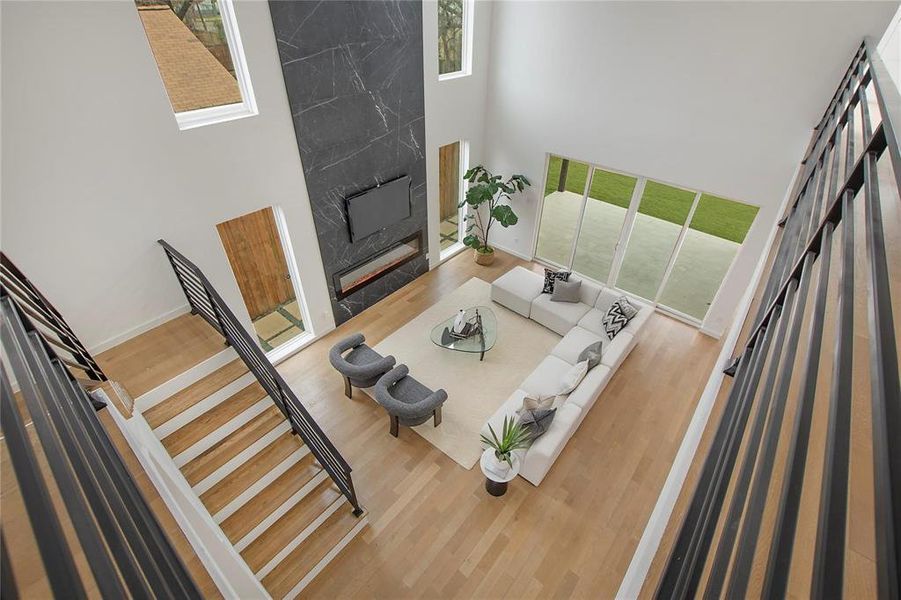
pixel 353 73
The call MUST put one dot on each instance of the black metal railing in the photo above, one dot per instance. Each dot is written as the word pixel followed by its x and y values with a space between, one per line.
pixel 780 363
pixel 48 321
pixel 126 552
pixel 206 302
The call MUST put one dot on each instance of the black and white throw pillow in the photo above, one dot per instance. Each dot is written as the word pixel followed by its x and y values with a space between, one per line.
pixel 618 316
pixel 551 277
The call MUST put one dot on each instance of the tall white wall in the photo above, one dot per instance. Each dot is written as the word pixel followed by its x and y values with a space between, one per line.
pixel 716 96
pixel 454 108
pixel 95 170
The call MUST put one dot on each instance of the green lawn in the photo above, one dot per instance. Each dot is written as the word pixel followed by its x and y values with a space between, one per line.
pixel 717 216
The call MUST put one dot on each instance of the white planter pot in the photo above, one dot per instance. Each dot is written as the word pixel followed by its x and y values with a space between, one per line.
pixel 497 467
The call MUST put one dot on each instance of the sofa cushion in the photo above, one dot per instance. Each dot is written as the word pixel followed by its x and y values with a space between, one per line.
pixel 573 377
pixel 559 317
pixel 592 354
pixel 606 298
pixel 547 378
pixel 566 291
pixel 593 321
pixel 618 316
pixel 537 422
pixel 588 292
pixel 551 277
pixel 516 289
pixel 572 344
pixel 590 388
pixel 615 352
pixel 545 450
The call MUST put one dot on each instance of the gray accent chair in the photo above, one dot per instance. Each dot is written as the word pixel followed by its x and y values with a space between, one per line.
pixel 362 366
pixel 407 401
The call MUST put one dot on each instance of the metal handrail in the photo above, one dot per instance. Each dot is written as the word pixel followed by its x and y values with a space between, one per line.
pixel 128 553
pixel 794 302
pixel 52 326
pixel 206 302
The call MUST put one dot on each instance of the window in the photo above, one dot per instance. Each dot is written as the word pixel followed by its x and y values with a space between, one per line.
pixel 451 166
pixel 454 37
pixel 197 50
pixel 666 244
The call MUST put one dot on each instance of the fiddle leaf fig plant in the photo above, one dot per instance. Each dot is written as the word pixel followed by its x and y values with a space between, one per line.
pixel 487 199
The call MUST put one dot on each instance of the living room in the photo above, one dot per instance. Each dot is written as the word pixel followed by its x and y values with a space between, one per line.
pixel 520 267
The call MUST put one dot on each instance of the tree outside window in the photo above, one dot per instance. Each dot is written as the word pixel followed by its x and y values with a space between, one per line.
pixel 450 36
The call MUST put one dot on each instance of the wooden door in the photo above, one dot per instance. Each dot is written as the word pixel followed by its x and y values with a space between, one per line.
pixel 449 179
pixel 255 252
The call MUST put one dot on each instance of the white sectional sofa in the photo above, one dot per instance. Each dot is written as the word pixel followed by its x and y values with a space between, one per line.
pixel 580 325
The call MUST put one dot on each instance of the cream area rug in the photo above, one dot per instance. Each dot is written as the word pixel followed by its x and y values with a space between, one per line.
pixel 475 389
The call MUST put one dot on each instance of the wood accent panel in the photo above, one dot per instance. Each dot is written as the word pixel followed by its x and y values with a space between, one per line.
pixel 204 465
pixel 194 393
pixel 181 439
pixel 254 250
pixel 449 179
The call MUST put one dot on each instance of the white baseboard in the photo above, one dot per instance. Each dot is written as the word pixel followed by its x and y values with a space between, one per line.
pixel 515 253
pixel 135 331
pixel 711 332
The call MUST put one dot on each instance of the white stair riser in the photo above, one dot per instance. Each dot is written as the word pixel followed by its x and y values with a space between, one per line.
pixel 185 379
pixel 204 406
pixel 297 541
pixel 279 512
pixel 242 457
pixel 223 432
pixel 260 484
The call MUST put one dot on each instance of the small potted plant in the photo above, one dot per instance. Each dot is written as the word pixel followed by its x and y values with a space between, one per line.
pixel 513 437
pixel 488 190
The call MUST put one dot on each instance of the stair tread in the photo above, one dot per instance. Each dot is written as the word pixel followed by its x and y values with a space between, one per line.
pixel 313 549
pixel 179 402
pixel 290 525
pixel 183 438
pixel 251 471
pixel 204 465
pixel 274 495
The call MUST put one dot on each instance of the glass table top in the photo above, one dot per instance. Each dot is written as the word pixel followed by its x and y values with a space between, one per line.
pixel 476 343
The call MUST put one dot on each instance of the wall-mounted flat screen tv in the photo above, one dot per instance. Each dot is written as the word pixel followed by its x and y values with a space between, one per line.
pixel 377 208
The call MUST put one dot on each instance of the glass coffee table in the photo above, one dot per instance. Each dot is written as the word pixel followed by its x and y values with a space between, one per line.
pixel 479 343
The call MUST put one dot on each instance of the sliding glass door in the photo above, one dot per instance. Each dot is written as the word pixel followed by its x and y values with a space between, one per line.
pixel 668 245
pixel 658 224
pixel 564 197
pixel 606 208
pixel 718 228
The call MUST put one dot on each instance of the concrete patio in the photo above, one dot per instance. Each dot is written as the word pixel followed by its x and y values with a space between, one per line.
pixel 699 269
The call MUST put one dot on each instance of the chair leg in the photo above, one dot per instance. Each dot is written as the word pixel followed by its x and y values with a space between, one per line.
pixel 437 416
pixel 347 390
pixel 394 425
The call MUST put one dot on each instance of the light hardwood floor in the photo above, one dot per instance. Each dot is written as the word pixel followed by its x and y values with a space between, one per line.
pixel 434 531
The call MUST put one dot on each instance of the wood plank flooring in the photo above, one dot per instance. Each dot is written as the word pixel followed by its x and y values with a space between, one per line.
pixel 434 531
pixel 156 356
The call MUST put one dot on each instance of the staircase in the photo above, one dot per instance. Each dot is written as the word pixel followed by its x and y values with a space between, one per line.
pixel 259 482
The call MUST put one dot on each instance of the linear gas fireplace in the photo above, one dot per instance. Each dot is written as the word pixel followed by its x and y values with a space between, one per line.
pixel 377 266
